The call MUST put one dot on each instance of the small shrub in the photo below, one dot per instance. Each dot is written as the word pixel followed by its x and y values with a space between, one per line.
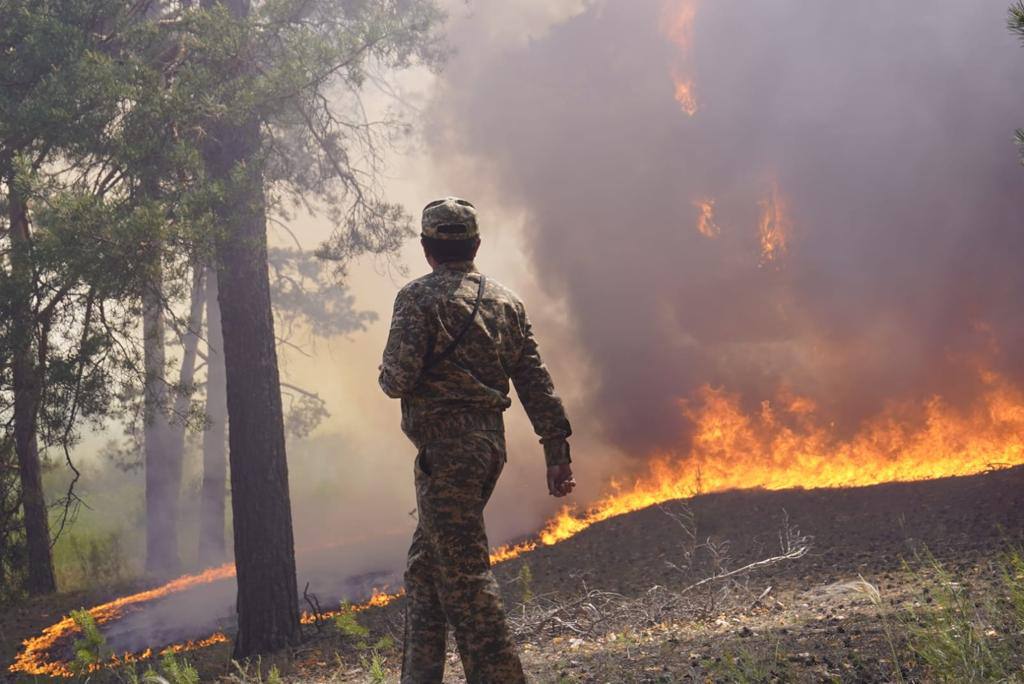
pixel 348 624
pixel 130 674
pixel 374 666
pixel 178 670
pixel 91 648
pixel 370 658
pixel 242 674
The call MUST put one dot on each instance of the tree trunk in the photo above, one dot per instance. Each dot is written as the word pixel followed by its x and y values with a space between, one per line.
pixel 162 488
pixel 212 500
pixel 187 373
pixel 268 602
pixel 26 378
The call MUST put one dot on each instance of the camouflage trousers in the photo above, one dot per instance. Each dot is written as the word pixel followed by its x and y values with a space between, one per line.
pixel 448 579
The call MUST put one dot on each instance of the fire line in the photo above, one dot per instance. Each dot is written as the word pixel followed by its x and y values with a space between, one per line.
pixel 785 445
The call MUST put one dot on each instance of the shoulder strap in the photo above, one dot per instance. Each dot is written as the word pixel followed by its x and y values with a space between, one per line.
pixel 433 361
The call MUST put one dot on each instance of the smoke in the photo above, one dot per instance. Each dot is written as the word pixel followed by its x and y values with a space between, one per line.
pixel 879 134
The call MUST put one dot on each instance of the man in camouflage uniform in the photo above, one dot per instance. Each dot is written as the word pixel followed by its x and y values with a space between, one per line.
pixel 456 339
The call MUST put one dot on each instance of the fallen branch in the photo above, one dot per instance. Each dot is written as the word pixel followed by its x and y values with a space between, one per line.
pixel 794 554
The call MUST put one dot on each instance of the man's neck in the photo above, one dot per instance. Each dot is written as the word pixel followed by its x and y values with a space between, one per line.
pixel 463 266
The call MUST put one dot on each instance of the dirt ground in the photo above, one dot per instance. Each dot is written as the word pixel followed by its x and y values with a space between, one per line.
pixel 616 603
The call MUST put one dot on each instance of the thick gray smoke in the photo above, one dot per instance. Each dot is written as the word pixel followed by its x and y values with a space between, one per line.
pixel 887 129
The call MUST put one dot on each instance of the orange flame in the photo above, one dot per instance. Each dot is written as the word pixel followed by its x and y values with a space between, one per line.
pixel 789 446
pixel 33 658
pixel 677 18
pixel 786 444
pixel 706 225
pixel 774 226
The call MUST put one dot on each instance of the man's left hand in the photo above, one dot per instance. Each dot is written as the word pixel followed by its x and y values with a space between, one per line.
pixel 560 480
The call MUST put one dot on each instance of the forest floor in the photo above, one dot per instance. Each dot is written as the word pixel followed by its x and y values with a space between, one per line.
pixel 874 576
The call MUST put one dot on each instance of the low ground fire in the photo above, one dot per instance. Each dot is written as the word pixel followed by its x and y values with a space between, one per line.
pixel 784 445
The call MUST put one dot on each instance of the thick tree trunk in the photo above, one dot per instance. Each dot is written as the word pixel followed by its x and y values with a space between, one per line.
pixel 163 489
pixel 212 500
pixel 26 401
pixel 268 602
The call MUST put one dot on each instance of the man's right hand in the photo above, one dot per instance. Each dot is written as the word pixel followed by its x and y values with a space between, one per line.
pixel 560 480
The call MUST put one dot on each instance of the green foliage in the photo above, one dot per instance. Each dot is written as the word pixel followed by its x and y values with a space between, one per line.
pixel 385 643
pixel 178 670
pixel 1015 22
pixel 1013 580
pixel 90 559
pixel 371 656
pixel 526 582
pixel 251 672
pixel 130 674
pixel 374 666
pixel 348 624
pixel 951 640
pixel 91 648
pixel 965 635
pixel 106 120
pixel 171 670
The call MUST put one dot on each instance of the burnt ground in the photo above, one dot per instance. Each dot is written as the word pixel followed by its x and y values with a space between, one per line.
pixel 612 604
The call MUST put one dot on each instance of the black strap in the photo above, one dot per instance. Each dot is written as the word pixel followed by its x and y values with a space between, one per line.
pixel 432 361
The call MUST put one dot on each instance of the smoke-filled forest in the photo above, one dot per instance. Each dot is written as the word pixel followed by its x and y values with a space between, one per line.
pixel 265 269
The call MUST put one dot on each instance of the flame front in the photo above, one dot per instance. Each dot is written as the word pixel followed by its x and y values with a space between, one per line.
pixel 787 445
pixel 33 658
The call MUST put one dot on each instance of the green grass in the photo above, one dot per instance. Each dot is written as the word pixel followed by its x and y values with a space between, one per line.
pixel 963 633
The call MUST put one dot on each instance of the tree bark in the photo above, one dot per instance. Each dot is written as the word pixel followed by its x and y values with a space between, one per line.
pixel 268 603
pixel 27 393
pixel 163 490
pixel 212 500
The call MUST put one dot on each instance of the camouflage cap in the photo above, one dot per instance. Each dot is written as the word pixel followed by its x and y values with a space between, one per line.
pixel 449 218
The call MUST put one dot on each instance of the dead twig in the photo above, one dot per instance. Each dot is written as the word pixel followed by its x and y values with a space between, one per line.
pixel 314 606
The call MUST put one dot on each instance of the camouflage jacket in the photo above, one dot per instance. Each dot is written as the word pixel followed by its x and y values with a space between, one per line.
pixel 469 389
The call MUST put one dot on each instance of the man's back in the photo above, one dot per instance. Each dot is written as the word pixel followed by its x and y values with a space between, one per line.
pixel 471 384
